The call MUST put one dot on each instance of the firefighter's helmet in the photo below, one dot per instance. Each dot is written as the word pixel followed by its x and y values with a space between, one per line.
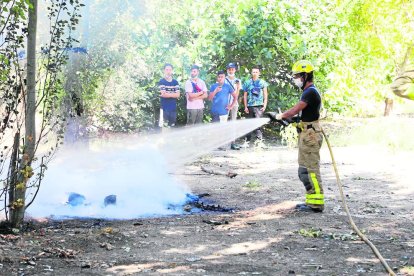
pixel 302 66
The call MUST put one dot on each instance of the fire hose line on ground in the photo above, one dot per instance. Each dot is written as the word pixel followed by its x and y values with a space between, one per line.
pixel 351 221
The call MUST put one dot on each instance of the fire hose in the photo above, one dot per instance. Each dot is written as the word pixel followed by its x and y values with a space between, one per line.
pixel 345 205
pixel 351 221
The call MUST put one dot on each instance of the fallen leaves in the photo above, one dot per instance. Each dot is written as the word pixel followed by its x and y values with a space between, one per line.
pixel 9 237
pixel 58 252
pixel 318 233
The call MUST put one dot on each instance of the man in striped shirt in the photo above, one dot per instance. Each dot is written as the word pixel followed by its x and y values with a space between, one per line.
pixel 169 93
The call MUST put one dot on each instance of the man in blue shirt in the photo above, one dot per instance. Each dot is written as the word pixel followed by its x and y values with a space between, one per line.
pixel 169 92
pixel 219 95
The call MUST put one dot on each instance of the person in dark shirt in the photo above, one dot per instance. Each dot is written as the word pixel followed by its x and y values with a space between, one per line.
pixel 169 93
pixel 310 135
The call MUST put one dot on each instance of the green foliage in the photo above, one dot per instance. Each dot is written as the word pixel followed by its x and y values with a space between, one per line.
pixel 312 232
pixel 373 43
pixel 289 136
pixel 319 233
pixel 356 47
pixel 252 185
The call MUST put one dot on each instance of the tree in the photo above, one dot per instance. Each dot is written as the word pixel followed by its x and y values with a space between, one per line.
pixel 372 44
pixel 30 97
pixel 24 170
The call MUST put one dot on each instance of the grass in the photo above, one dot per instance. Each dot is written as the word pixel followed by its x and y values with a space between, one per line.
pixel 252 185
pixel 393 133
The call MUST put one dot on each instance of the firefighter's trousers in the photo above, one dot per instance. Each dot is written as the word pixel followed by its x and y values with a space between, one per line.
pixel 310 142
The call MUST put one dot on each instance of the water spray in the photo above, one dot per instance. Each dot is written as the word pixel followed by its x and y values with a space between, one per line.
pixel 129 176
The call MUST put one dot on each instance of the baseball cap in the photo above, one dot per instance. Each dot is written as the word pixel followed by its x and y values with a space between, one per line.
pixel 231 65
pixel 195 66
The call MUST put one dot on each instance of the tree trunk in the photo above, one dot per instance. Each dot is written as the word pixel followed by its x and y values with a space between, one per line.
pixel 388 106
pixel 17 207
pixel 13 168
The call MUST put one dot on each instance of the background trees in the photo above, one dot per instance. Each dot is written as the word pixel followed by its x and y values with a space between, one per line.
pixel 358 48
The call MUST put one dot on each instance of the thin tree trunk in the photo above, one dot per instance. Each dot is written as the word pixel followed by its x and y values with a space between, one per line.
pixel 25 172
pixel 13 168
pixel 388 106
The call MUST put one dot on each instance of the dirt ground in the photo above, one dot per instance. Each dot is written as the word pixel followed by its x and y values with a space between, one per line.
pixel 263 236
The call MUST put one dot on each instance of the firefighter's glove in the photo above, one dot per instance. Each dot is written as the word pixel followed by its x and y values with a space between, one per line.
pixel 278 116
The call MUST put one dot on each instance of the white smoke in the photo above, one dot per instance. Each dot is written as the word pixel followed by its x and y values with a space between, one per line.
pixel 133 168
pixel 137 176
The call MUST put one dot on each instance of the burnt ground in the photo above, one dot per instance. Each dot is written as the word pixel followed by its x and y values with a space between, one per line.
pixel 262 236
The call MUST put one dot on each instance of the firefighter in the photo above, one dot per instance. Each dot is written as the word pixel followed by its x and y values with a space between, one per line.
pixel 310 135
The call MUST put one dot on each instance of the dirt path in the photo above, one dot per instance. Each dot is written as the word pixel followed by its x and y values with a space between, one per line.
pixel 264 236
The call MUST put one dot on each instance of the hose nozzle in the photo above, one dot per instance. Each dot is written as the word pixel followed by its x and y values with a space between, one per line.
pixel 272 116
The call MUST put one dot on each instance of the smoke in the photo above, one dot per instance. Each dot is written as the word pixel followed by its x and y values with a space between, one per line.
pixel 137 177
pixel 133 168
